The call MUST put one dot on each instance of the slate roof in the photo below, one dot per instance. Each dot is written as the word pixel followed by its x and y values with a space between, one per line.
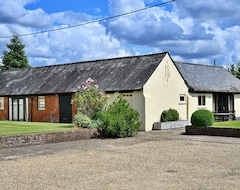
pixel 118 74
pixel 206 78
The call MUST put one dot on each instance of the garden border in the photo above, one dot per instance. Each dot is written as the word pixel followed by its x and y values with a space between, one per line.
pixel 212 131
pixel 49 137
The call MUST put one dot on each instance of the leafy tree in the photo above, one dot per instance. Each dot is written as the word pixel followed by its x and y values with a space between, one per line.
pixel 15 57
pixel 234 69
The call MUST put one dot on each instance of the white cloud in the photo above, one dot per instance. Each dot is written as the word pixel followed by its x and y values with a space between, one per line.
pixel 196 31
pixel 13 12
pixel 224 12
pixel 76 44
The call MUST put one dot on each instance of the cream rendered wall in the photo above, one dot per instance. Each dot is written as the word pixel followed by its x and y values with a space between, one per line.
pixel 136 101
pixel 162 91
pixel 237 105
pixel 193 103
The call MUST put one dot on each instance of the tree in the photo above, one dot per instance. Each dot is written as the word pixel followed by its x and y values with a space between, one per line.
pixel 234 69
pixel 15 57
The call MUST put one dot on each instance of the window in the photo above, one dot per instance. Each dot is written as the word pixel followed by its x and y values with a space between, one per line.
pixel 41 102
pixel 1 103
pixel 201 100
pixel 182 99
pixel 128 97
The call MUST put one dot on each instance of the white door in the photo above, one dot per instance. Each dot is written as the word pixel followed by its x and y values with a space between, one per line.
pixel 18 109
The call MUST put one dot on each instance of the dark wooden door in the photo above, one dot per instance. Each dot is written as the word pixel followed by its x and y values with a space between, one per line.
pixel 65 106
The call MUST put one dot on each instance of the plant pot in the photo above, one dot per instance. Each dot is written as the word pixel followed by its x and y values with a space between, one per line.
pixel 169 125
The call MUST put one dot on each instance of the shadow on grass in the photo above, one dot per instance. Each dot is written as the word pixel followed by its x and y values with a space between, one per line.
pixel 70 126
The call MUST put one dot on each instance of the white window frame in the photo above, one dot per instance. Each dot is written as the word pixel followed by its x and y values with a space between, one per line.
pixel 182 98
pixel 41 103
pixel 202 101
pixel 1 103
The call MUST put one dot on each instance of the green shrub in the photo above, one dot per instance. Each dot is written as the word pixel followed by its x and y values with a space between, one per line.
pixel 120 120
pixel 85 122
pixel 169 115
pixel 98 123
pixel 202 118
pixel 82 120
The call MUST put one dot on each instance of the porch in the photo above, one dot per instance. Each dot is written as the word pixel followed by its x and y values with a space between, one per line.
pixel 224 116
pixel 223 104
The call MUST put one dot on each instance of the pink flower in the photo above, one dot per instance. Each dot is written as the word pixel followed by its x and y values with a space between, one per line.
pixel 89 80
pixel 96 86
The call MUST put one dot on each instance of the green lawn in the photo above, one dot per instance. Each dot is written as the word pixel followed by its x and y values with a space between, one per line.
pixel 230 124
pixel 14 127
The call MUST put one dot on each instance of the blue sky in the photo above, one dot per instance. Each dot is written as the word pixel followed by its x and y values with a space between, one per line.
pixel 191 31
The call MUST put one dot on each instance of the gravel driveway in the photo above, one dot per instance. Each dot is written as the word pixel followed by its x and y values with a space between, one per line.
pixel 152 160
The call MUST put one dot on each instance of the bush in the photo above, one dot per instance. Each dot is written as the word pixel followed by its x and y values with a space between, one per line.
pixel 120 120
pixel 82 120
pixel 89 99
pixel 85 122
pixel 169 115
pixel 202 118
pixel 98 123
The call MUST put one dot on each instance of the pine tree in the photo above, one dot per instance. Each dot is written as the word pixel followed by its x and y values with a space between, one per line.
pixel 15 57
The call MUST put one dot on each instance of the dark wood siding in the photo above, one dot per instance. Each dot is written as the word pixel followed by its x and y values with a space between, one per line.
pixel 65 111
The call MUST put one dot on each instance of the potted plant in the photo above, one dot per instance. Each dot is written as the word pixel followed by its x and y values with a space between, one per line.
pixel 169 119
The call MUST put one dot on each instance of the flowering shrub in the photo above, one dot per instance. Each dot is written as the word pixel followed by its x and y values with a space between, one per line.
pixel 90 99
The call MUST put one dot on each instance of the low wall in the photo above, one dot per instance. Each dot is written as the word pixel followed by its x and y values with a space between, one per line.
pixel 213 131
pixel 53 137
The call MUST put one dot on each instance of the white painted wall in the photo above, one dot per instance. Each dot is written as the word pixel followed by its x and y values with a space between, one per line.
pixel 162 91
pixel 135 99
pixel 193 103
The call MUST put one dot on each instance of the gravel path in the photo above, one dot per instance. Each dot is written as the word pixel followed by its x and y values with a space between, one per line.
pixel 152 160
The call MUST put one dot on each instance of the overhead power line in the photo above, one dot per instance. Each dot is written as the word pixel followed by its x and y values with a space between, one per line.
pixel 91 22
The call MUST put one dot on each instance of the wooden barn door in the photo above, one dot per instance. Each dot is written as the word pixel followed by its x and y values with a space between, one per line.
pixel 65 108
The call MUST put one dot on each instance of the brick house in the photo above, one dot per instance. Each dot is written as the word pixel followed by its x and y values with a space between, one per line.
pixel 150 83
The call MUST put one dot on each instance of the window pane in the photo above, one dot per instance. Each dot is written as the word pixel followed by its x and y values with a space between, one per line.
pixel 182 99
pixel 41 102
pixel 199 100
pixel 203 100
pixel 1 103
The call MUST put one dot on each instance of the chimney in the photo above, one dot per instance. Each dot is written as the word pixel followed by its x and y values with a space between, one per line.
pixel 214 62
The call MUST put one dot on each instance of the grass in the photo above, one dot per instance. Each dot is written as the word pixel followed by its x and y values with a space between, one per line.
pixel 14 127
pixel 228 124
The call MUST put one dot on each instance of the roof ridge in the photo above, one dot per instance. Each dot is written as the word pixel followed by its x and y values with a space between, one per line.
pixel 198 64
pixel 88 61
pixel 84 62
pixel 104 59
